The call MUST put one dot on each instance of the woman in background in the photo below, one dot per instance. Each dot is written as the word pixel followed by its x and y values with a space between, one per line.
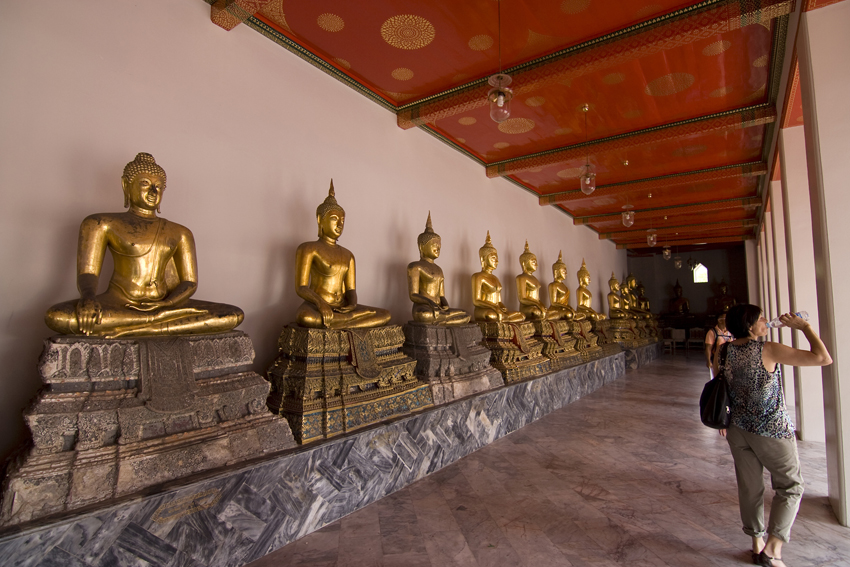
pixel 761 434
pixel 715 337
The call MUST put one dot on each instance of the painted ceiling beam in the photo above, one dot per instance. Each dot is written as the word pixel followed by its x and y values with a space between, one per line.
pixel 676 209
pixel 730 120
pixel 699 22
pixel 691 241
pixel 228 14
pixel 666 181
pixel 695 228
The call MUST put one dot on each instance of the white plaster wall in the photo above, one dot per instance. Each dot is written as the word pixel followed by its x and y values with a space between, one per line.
pixel 249 136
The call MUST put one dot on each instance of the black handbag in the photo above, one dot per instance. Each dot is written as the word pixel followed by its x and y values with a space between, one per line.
pixel 714 410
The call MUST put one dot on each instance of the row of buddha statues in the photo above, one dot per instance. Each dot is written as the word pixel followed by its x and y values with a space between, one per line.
pixel 155 276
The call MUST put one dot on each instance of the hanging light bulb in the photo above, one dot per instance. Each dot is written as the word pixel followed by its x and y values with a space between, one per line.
pixel 651 237
pixel 500 97
pixel 677 262
pixel 588 172
pixel 628 216
pixel 667 254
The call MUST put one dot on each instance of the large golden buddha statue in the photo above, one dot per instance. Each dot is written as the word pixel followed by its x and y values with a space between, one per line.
pixel 725 301
pixel 425 284
pixel 155 270
pixel 583 295
pixel 643 300
pixel 528 289
pixel 617 309
pixel 487 289
pixel 680 304
pixel 559 293
pixel 325 278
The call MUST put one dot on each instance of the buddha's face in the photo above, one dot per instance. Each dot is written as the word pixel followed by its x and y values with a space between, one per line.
pixel 331 224
pixel 431 249
pixel 584 280
pixel 723 289
pixel 615 286
pixel 559 274
pixel 677 291
pixel 144 191
pixel 491 260
pixel 529 266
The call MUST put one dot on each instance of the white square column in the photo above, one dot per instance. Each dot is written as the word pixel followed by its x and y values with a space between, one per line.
pixel 802 294
pixel 751 253
pixel 823 43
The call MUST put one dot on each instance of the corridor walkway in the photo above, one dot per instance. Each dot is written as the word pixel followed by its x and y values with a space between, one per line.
pixel 624 476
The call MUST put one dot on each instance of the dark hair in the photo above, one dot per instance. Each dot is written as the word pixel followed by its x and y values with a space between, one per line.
pixel 740 318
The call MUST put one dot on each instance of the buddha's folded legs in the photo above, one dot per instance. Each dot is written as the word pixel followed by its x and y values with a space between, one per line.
pixel 427 314
pixel 361 316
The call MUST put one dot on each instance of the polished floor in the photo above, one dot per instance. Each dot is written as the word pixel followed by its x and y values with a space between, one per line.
pixel 624 476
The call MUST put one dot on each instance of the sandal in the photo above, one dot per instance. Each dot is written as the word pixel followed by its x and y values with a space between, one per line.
pixel 767 561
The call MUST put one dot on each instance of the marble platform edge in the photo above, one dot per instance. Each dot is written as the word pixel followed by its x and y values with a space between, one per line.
pixel 234 516
pixel 641 356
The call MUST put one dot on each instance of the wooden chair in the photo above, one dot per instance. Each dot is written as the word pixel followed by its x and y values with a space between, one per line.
pixel 667 342
pixel 679 336
pixel 696 336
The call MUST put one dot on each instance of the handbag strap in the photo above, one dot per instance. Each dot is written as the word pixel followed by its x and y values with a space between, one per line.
pixel 724 348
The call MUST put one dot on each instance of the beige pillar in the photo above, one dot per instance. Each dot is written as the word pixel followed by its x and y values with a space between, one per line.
pixel 751 253
pixel 822 47
pixel 802 295
pixel 770 271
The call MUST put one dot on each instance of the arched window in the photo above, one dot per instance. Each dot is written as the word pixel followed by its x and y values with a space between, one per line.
pixel 700 274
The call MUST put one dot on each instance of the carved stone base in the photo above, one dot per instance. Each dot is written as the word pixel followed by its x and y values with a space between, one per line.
pixel 451 359
pixel 592 346
pixel 117 416
pixel 516 353
pixel 625 332
pixel 327 382
pixel 559 344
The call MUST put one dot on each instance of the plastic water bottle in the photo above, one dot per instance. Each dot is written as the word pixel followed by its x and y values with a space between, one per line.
pixel 804 315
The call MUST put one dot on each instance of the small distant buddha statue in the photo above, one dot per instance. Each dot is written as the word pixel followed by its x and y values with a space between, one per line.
pixel 680 304
pixel 634 307
pixel 643 301
pixel 528 289
pixel 155 270
pixel 487 289
pixel 725 301
pixel 617 306
pixel 583 295
pixel 425 284
pixel 559 293
pixel 325 278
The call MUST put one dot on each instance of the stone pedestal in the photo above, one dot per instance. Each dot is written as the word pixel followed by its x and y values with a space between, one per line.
pixel 327 382
pixel 625 332
pixel 451 359
pixel 603 330
pixel 116 416
pixel 516 353
pixel 559 344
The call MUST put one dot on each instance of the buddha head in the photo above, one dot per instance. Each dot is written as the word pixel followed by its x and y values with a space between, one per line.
pixel 583 275
pixel 613 283
pixel 330 216
pixel 488 255
pixel 631 282
pixel 677 289
pixel 559 269
pixel 641 291
pixel 723 288
pixel 528 260
pixel 143 183
pixel 429 241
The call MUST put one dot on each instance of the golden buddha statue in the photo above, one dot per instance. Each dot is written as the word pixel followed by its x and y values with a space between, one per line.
pixel 528 289
pixel 617 300
pixel 559 293
pixel 583 295
pixel 633 305
pixel 425 284
pixel 487 289
pixel 155 270
pixel 325 278
pixel 680 304
pixel 643 300
pixel 725 301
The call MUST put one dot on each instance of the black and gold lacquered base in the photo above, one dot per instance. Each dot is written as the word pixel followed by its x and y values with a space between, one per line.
pixel 328 382
pixel 516 353
pixel 559 344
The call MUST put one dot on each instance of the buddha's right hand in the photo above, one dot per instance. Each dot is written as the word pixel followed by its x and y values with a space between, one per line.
pixel 89 314
pixel 327 313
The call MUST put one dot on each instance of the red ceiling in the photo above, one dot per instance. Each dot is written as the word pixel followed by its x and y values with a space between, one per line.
pixel 682 95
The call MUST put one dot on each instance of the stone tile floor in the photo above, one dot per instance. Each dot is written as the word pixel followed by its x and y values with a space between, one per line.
pixel 624 476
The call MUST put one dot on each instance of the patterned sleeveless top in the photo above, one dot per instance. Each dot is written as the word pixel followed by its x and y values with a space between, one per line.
pixel 758 404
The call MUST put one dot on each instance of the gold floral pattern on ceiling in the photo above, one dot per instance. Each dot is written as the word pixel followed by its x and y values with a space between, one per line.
pixel 570 173
pixel 716 48
pixel 669 84
pixel 574 6
pixel 761 61
pixel 501 145
pixel 467 121
pixel 330 22
pixel 402 74
pixel 722 91
pixel 407 31
pixel 614 78
pixel 480 42
pixel 516 126
pixel 535 101
pixel 342 63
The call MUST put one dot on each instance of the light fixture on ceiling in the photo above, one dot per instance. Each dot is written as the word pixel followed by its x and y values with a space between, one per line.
pixel 651 237
pixel 677 261
pixel 667 254
pixel 500 95
pixel 628 216
pixel 588 172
